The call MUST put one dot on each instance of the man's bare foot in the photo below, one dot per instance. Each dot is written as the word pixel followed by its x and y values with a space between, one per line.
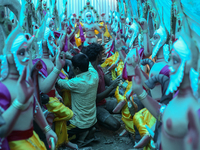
pixel 119 106
pixel 72 145
pixel 143 142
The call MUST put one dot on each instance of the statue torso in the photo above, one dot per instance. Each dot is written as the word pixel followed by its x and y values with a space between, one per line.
pixel 25 120
pixel 175 122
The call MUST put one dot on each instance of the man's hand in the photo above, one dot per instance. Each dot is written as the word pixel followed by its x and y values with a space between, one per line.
pixel 116 82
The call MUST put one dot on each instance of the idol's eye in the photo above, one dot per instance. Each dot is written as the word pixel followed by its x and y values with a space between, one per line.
pixel 21 52
pixel 175 60
pixel 155 37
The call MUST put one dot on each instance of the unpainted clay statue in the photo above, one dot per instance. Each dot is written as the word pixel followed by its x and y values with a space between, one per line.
pixel 5 28
pixel 180 118
pixel 39 12
pixel 54 14
pixel 48 76
pixel 20 103
pixel 156 47
pixel 67 39
pixel 89 26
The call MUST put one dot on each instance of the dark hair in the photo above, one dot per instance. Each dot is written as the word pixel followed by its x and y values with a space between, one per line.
pixel 93 51
pixel 81 61
pixel 84 49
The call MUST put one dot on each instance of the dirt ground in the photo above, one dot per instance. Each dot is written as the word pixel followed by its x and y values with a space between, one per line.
pixel 110 140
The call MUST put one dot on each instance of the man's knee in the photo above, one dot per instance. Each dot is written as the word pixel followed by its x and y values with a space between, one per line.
pixel 113 123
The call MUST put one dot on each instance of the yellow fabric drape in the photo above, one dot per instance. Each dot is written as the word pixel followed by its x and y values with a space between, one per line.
pixel 66 94
pixel 107 34
pixel 120 68
pixel 77 37
pixel 62 114
pixel 142 118
pixel 33 143
pixel 126 116
pixel 111 60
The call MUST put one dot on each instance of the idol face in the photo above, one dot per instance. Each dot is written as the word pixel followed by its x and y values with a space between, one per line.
pixel 64 22
pixel 174 63
pixel 73 20
pixel 154 40
pixel 52 25
pixel 130 33
pixel 23 54
pixel 89 18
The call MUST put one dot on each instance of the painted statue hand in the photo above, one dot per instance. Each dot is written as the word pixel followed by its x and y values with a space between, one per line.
pixel 51 134
pixel 137 82
pixel 60 63
pixel 129 94
pixel 118 41
pixel 111 67
pixel 24 92
pixel 192 138
pixel 143 23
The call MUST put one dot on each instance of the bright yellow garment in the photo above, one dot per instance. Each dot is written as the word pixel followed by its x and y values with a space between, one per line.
pixel 78 41
pixel 77 37
pixel 66 94
pixel 126 116
pixel 142 118
pixel 111 60
pixel 62 114
pixel 107 34
pixel 33 143
pixel 120 68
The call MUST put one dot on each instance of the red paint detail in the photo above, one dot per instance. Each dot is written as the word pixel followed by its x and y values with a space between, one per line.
pixel 169 123
pixel 74 15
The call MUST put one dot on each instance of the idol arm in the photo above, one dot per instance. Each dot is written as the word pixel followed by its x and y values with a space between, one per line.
pixel 10 116
pixel 39 118
pixel 153 106
pixel 50 81
pixel 101 31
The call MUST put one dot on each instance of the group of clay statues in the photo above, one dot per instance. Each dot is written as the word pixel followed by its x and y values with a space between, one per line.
pixel 56 90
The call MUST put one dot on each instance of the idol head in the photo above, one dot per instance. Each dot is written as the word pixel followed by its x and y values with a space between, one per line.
pixel 50 24
pixel 63 21
pixel 44 4
pixel 159 40
pixel 132 34
pixel 89 18
pixel 72 20
pixel 183 62
pixel 15 52
pixel 132 60
pixel 110 17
